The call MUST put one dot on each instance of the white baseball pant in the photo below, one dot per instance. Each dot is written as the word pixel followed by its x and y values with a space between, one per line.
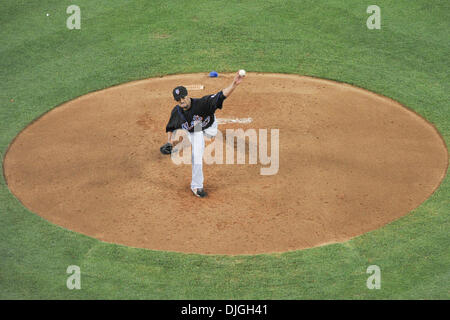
pixel 198 147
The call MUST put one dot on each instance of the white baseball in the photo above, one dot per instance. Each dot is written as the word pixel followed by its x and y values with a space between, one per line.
pixel 242 73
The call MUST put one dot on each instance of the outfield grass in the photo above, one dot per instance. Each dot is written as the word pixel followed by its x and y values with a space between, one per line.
pixel 43 64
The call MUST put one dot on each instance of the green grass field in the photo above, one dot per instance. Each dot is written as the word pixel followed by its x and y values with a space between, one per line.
pixel 43 64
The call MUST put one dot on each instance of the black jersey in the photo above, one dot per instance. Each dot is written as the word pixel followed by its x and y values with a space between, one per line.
pixel 201 113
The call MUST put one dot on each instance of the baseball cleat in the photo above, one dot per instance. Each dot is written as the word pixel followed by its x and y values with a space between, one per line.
pixel 199 193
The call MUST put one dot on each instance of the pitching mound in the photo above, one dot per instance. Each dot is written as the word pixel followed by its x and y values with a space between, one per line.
pixel 350 161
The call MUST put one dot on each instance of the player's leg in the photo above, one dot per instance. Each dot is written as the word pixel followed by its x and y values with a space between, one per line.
pixel 198 147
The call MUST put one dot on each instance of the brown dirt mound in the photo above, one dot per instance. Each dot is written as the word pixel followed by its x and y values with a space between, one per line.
pixel 350 161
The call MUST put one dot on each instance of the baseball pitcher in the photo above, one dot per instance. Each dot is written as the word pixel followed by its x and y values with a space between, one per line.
pixel 196 116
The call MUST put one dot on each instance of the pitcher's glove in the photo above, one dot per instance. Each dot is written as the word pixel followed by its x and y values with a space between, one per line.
pixel 167 148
